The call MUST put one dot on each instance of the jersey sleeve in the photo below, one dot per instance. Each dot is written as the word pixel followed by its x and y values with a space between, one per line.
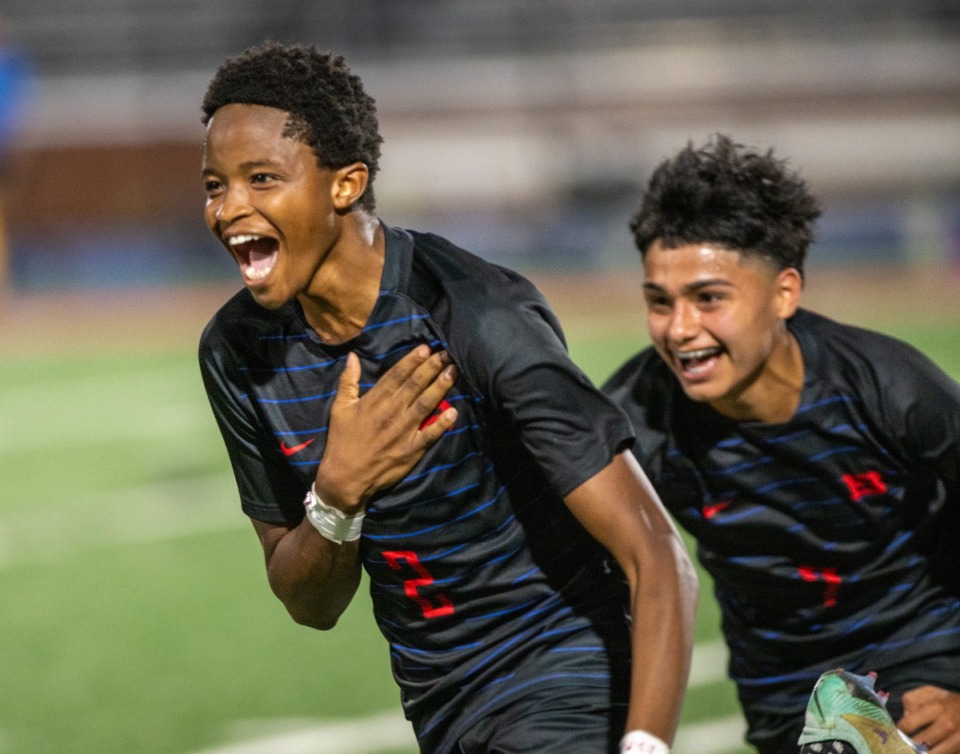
pixel 916 404
pixel 644 389
pixel 268 491
pixel 519 358
pixel 923 402
pixel 920 405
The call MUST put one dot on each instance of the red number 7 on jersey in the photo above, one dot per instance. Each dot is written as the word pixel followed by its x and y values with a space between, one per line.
pixel 441 605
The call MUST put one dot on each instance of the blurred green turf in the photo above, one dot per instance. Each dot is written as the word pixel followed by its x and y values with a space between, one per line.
pixel 123 634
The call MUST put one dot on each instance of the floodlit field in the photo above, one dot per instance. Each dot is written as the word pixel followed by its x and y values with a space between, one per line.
pixel 137 616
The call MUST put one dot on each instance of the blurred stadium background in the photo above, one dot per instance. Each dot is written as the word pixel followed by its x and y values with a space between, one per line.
pixel 524 128
pixel 137 617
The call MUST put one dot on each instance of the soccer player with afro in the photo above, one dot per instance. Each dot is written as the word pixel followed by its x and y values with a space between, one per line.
pixel 533 591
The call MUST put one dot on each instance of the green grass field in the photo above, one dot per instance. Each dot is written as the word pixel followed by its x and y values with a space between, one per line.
pixel 137 616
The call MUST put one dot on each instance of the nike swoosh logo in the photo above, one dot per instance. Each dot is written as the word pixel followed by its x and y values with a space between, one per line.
pixel 295 449
pixel 709 511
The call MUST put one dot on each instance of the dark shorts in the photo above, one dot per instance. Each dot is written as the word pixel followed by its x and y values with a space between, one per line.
pixel 774 734
pixel 564 720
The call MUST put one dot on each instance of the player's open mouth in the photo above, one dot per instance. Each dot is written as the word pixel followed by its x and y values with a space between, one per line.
pixel 256 255
pixel 694 364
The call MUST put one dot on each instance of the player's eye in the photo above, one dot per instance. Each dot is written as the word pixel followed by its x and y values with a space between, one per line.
pixel 211 187
pixel 658 302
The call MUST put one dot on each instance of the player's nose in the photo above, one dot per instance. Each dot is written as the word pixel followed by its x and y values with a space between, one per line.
pixel 684 322
pixel 233 204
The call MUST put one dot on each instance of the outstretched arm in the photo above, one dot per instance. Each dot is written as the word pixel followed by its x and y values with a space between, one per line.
pixel 372 442
pixel 620 508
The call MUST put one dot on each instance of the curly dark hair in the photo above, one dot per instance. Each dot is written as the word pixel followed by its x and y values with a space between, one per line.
pixel 329 110
pixel 728 194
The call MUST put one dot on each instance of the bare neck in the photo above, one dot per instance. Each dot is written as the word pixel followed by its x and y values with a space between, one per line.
pixel 346 287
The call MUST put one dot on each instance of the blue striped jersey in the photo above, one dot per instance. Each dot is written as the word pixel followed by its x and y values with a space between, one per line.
pixel 823 533
pixel 483 583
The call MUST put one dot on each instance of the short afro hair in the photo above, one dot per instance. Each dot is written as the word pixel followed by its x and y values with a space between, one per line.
pixel 730 195
pixel 329 110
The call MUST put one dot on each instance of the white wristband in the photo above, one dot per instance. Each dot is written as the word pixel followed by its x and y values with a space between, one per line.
pixel 332 523
pixel 641 742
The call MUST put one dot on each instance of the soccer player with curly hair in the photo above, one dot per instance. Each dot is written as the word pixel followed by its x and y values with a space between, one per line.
pixel 392 403
pixel 816 464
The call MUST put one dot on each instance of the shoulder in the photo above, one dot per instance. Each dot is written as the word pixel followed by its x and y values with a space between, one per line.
pixel 901 387
pixel 479 303
pixel 647 391
pixel 239 327
pixel 467 275
pixel 640 376
pixel 838 335
pixel 853 354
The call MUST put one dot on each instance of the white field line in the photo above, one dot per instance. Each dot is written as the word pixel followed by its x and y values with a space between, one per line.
pixel 391 731
pixel 184 508
pixel 719 736
pixel 365 735
pixel 357 736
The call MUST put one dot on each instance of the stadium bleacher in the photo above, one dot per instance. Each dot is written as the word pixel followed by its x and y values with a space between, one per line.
pixel 532 109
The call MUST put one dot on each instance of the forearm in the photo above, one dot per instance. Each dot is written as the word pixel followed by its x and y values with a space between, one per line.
pixel 621 509
pixel 663 606
pixel 313 577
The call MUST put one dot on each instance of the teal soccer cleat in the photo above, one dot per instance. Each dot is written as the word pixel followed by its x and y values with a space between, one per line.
pixel 846 714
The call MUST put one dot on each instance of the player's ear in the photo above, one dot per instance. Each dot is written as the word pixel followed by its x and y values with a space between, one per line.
pixel 787 288
pixel 349 185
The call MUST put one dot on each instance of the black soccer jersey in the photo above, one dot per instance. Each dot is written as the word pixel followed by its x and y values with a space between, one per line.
pixel 483 583
pixel 817 531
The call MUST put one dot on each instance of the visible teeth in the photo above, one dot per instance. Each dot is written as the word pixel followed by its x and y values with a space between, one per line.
pixel 703 353
pixel 237 240
pixel 255 274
